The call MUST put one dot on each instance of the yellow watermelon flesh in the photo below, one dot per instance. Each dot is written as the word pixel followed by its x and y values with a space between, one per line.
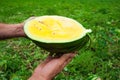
pixel 56 30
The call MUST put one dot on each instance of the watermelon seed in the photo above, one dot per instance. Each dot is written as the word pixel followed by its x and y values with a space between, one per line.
pixel 53 33
pixel 41 22
pixel 40 29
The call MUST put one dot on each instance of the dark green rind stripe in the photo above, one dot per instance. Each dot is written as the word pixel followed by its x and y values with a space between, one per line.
pixel 63 47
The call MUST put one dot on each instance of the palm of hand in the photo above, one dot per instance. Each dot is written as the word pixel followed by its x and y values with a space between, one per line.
pixel 51 66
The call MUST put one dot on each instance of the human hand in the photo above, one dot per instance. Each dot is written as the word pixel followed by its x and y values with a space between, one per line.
pixel 11 30
pixel 23 23
pixel 51 66
pixel 20 27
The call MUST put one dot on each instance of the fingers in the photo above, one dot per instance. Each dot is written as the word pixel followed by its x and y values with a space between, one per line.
pixel 67 61
pixel 53 65
pixel 61 61
pixel 47 60
pixel 61 58
pixel 57 64
pixel 66 57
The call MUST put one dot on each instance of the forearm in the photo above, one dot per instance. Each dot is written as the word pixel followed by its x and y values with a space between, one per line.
pixel 11 31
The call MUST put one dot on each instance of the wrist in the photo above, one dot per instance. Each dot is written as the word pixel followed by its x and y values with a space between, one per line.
pixel 19 30
pixel 11 31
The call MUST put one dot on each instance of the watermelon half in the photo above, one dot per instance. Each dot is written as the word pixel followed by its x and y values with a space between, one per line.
pixel 57 34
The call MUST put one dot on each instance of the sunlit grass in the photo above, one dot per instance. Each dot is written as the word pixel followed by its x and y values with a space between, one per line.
pixel 19 56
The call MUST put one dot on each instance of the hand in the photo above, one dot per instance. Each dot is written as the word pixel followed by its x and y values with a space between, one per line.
pixel 12 30
pixel 51 66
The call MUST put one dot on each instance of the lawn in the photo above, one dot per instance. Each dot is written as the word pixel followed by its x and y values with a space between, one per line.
pixel 19 56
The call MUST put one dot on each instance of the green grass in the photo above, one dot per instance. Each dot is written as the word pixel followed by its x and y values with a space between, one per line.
pixel 19 56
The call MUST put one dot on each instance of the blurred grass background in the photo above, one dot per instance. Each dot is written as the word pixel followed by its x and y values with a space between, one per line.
pixel 19 56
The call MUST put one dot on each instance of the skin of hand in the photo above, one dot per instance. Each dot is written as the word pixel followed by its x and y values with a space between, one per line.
pixel 11 31
pixel 50 67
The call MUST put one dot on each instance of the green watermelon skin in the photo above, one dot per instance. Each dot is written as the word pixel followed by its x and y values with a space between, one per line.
pixel 64 47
